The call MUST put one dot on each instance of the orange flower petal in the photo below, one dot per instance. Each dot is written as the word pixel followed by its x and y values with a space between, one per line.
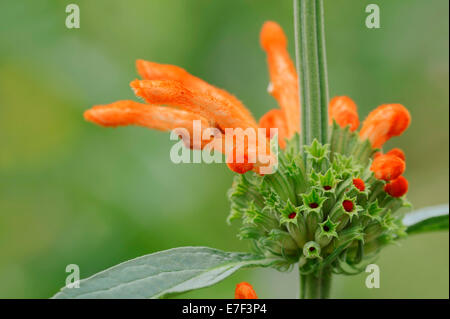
pixel 240 168
pixel 343 110
pixel 384 122
pixel 173 93
pixel 245 153
pixel 283 76
pixel 275 119
pixel 155 71
pixel 397 188
pixel 397 152
pixel 388 167
pixel 123 113
pixel 128 112
pixel 244 291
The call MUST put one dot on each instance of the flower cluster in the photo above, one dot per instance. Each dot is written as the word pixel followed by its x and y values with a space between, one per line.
pixel 332 205
pixel 187 98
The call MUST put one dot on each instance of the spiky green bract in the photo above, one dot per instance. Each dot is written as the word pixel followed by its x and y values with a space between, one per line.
pixel 310 211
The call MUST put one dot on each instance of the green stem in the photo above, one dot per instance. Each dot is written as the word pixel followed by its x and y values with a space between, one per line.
pixel 312 69
pixel 316 285
pixel 313 91
pixel 323 73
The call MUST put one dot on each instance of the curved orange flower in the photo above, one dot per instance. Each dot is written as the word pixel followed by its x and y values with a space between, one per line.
pixel 128 112
pixel 176 99
pixel 283 76
pixel 154 71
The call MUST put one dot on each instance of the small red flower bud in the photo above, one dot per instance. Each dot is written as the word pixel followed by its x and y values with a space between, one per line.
pixel 359 184
pixel 292 215
pixel 244 291
pixel 327 188
pixel 348 205
pixel 388 167
pixel 397 188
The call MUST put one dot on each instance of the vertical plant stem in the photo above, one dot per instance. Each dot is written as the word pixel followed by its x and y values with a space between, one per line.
pixel 303 279
pixel 323 72
pixel 325 283
pixel 311 67
pixel 316 285
pixel 313 85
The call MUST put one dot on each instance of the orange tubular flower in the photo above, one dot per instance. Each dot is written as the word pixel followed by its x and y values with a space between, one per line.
pixel 154 71
pixel 388 167
pixel 187 98
pixel 173 93
pixel 176 99
pixel 397 187
pixel 244 291
pixel 384 122
pixel 275 119
pixel 217 108
pixel 343 110
pixel 283 76
pixel 123 113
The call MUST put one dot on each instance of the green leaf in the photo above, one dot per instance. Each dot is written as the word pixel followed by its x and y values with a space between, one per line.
pixel 162 273
pixel 427 219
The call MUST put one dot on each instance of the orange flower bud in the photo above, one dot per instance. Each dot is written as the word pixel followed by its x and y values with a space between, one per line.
pixel 384 122
pixel 397 152
pixel 359 184
pixel 397 187
pixel 343 110
pixel 275 119
pixel 283 76
pixel 388 167
pixel 244 291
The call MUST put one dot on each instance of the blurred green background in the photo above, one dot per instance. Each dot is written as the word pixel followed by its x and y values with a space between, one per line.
pixel 72 192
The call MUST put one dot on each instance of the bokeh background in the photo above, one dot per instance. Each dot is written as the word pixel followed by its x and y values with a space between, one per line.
pixel 72 192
